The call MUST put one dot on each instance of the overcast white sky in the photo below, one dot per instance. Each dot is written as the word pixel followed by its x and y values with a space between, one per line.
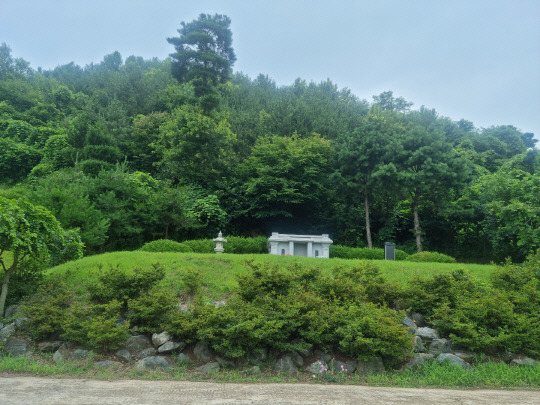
pixel 472 59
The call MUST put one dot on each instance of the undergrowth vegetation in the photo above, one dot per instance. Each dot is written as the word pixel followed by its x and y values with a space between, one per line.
pixel 349 307
pixel 431 374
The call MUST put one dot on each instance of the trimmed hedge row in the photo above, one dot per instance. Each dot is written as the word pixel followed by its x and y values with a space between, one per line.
pixel 346 252
pixel 165 245
pixel 432 257
pixel 259 245
pixel 235 244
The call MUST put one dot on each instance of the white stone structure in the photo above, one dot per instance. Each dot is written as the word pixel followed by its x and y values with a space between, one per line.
pixel 220 240
pixel 300 245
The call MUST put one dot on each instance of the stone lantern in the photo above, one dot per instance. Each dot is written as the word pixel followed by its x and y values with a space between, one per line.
pixel 220 240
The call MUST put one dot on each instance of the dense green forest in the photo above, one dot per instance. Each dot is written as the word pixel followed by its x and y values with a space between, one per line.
pixel 133 150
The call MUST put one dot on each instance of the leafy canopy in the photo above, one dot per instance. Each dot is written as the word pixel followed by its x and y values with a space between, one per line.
pixel 32 231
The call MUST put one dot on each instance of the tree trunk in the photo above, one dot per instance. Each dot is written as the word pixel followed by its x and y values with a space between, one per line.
pixel 417 229
pixel 368 223
pixel 5 284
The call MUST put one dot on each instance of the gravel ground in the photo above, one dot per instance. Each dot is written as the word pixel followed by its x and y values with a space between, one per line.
pixel 15 390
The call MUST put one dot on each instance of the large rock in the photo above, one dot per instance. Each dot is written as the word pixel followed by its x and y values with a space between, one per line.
pixel 224 362
pixel 6 332
pixel 418 360
pixel 465 355
pixel 372 366
pixel 171 346
pixel 524 361
pixel 123 354
pixel 408 322
pixel 160 338
pixel 439 346
pixel 145 353
pixel 80 354
pixel 202 353
pixel 297 360
pixel 182 358
pixel 137 343
pixel 50 346
pixel 154 363
pixel 208 367
pixel 427 333
pixel 343 366
pixel 453 359
pixel 418 344
pixel 17 347
pixel 21 321
pixel 418 319
pixel 285 365
pixel 11 311
pixel 61 354
pixel 319 354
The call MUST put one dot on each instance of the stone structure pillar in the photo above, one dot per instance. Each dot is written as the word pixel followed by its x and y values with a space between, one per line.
pixel 291 248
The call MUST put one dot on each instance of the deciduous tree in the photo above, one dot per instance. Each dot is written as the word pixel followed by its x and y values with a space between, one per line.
pixel 32 231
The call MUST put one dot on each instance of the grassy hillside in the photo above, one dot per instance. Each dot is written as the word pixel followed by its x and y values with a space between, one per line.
pixel 219 271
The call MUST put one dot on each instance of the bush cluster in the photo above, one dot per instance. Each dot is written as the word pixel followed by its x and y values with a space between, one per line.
pixel 117 284
pixel 346 252
pixel 235 244
pixel 293 309
pixel 165 245
pixel 432 257
pixel 350 310
pixel 502 316
pixel 55 312
pixel 240 245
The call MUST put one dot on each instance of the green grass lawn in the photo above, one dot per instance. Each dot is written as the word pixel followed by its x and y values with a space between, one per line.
pixel 219 271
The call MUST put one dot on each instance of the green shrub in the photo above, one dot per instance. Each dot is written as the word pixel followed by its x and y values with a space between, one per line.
pixel 513 277
pixel 285 310
pixel 260 281
pixel 122 286
pixel 165 245
pixel 489 322
pixel 46 311
pixel 533 263
pixel 92 167
pixel 503 316
pixel 367 330
pixel 150 312
pixel 235 244
pixel 346 252
pixel 96 326
pixel 425 295
pixel 367 279
pixel 239 245
pixel 200 245
pixel 240 327
pixel 192 279
pixel 432 257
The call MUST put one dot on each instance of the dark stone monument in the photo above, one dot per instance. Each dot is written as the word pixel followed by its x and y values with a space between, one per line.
pixel 389 251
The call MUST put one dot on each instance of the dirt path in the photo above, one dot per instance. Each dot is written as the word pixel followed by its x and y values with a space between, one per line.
pixel 45 391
